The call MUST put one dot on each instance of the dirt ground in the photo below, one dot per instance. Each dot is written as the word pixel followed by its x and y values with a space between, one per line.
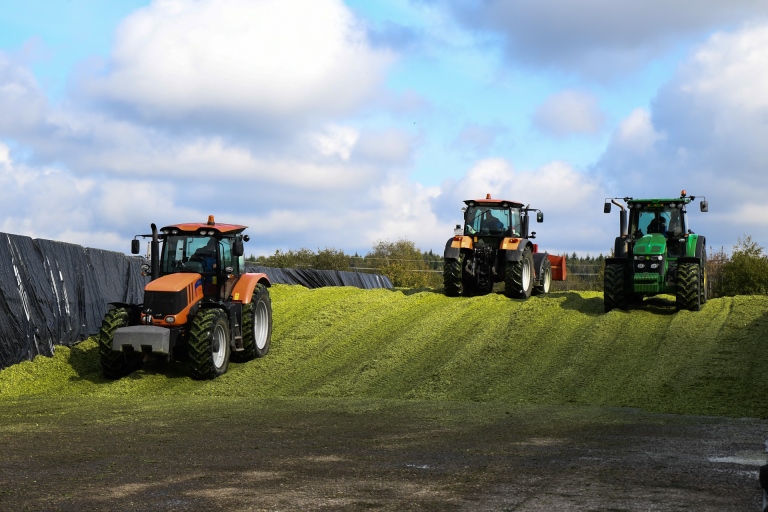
pixel 371 456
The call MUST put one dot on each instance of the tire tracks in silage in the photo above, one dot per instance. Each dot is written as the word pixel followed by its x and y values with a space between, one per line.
pixel 390 338
pixel 318 325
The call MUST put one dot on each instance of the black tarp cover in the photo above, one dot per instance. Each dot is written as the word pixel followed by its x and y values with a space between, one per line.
pixel 320 278
pixel 55 293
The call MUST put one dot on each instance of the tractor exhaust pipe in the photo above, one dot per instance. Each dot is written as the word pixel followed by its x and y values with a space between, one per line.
pixel 623 222
pixel 154 254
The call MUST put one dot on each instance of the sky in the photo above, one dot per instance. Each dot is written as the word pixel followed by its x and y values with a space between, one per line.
pixel 340 124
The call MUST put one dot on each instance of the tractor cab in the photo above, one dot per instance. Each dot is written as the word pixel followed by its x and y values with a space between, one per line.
pixel 665 217
pixel 484 220
pixel 212 251
pixel 496 218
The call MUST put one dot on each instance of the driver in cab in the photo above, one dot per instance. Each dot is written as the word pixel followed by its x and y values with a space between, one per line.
pixel 491 223
pixel 206 255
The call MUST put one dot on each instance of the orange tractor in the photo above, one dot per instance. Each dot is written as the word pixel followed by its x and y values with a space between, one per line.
pixel 495 246
pixel 200 305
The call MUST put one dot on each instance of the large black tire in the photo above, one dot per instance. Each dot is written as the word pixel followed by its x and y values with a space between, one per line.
pixel 209 344
pixel 257 326
pixel 115 364
pixel 452 281
pixel 614 288
pixel 518 276
pixel 688 295
pixel 546 278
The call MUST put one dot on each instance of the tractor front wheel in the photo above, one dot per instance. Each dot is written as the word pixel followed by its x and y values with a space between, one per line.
pixel 518 276
pixel 209 344
pixel 115 364
pixel 257 326
pixel 614 290
pixel 688 294
pixel 452 281
pixel 546 278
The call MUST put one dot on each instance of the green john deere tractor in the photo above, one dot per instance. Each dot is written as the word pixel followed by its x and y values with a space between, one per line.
pixel 656 253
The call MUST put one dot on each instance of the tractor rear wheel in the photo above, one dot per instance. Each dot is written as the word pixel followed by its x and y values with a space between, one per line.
pixel 114 363
pixel 257 326
pixel 614 290
pixel 518 276
pixel 452 281
pixel 688 295
pixel 546 278
pixel 209 344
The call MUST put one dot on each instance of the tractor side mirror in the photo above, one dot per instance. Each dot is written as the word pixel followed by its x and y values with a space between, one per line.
pixel 704 206
pixel 237 248
pixel 135 246
pixel 539 216
pixel 607 208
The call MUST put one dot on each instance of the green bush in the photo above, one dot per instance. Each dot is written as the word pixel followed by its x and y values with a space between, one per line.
pixel 401 262
pixel 746 272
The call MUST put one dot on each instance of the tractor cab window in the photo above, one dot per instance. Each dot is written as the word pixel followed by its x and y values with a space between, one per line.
pixel 484 220
pixel 183 253
pixel 665 221
pixel 227 258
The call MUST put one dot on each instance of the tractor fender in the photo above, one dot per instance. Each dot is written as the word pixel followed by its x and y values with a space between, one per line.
pixel 243 290
pixel 517 254
pixel 454 246
pixel 450 251
pixel 620 247
pixel 538 263
pixel 701 247
pixel 699 251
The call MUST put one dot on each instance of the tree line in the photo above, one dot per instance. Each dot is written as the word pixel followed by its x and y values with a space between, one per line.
pixel 744 272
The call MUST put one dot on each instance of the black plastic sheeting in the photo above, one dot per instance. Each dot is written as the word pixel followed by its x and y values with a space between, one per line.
pixel 320 278
pixel 55 293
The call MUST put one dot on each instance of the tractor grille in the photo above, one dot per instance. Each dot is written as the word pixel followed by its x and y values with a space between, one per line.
pixel 165 303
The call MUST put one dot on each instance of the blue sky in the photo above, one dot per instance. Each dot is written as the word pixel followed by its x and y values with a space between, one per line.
pixel 324 123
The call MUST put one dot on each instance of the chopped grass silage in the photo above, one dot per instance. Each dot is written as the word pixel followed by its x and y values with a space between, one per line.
pixel 385 344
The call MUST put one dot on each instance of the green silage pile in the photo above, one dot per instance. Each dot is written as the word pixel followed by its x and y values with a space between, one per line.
pixel 384 344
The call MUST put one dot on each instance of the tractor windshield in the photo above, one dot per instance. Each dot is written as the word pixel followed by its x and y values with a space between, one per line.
pixel 666 220
pixel 485 220
pixel 193 253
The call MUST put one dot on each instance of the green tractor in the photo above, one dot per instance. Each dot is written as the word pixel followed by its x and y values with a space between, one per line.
pixel 495 245
pixel 656 253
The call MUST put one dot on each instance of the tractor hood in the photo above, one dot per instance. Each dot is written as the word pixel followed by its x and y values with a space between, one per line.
pixel 173 282
pixel 652 244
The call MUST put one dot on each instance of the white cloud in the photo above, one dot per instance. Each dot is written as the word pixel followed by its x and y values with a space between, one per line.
pixel 257 62
pixel 600 37
pixel 336 141
pixel 21 103
pixel 569 113
pixel 636 133
pixel 405 212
